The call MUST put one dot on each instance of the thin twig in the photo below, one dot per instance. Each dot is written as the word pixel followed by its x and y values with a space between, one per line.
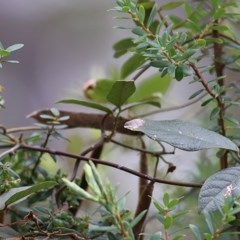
pixel 113 165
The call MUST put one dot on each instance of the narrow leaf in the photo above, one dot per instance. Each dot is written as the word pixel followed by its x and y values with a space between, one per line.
pixel 20 193
pixel 120 92
pixel 86 104
pixel 180 134
pixel 217 187
pixel 171 5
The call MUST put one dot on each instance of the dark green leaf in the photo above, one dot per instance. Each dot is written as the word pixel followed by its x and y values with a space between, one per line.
pixel 171 5
pixel 86 104
pixel 20 193
pixel 152 16
pixel 182 135
pixel 120 92
pixel 217 187
pixel 132 64
pixel 196 94
pixel 122 47
pixel 179 73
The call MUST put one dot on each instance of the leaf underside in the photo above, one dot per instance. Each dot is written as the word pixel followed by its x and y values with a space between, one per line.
pixel 219 186
pixel 180 134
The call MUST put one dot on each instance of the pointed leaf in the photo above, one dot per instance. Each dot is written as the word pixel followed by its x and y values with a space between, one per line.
pixel 217 187
pixel 15 47
pixel 120 92
pixel 180 134
pixel 86 104
pixel 171 5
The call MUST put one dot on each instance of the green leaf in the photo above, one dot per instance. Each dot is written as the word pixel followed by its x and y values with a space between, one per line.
pixel 99 90
pixel 141 13
pixel 120 92
pixel 179 73
pixel 9 233
pixel 171 5
pixel 121 47
pixel 138 218
pixel 20 193
pixel 195 231
pixel 86 104
pixel 14 47
pixel 217 187
pixel 151 85
pixel 183 135
pixel 132 64
pixel 152 16
pixel 138 31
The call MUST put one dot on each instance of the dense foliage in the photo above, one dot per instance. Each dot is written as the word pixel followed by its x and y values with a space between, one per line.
pixel 201 47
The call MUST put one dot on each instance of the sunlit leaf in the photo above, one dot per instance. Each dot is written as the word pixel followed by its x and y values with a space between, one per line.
pixel 183 135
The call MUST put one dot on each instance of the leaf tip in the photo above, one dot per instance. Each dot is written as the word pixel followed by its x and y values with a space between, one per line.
pixel 134 124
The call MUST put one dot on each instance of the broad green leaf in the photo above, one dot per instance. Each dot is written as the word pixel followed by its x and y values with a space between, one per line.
pixel 171 5
pixel 131 65
pixel 86 104
pixel 217 187
pixel 99 90
pixel 183 135
pixel 20 193
pixel 121 47
pixel 151 85
pixel 120 92
pixel 14 47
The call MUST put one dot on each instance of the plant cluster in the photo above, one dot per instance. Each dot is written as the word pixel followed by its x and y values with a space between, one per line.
pixel 39 204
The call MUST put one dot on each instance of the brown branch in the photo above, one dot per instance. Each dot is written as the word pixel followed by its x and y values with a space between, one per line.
pixel 87 120
pixel 110 164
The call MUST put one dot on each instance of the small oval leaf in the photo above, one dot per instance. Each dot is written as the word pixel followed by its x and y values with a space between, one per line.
pixel 180 134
